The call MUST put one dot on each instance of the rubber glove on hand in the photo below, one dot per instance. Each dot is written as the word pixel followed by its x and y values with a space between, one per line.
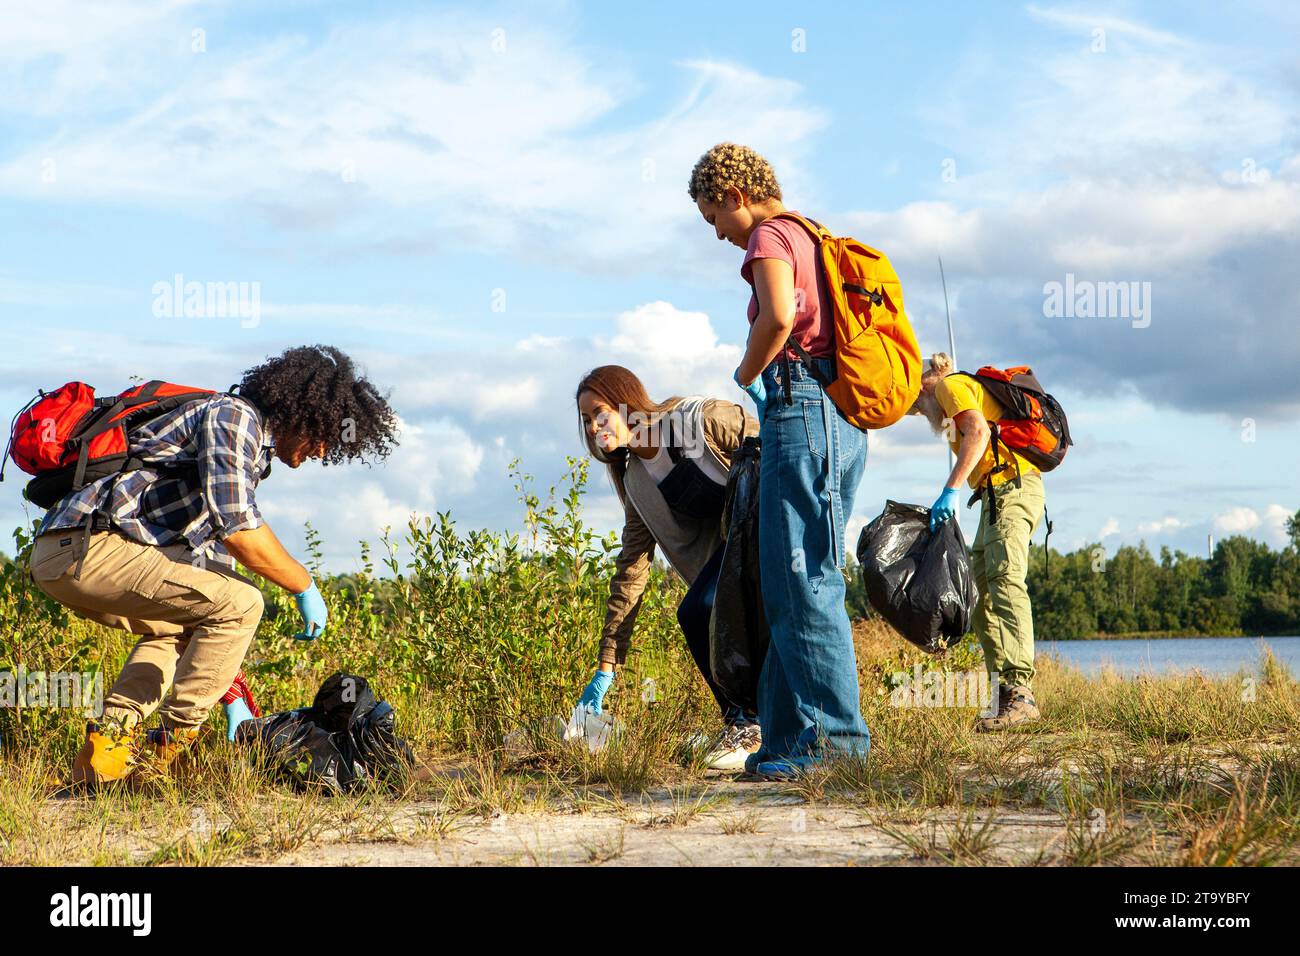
pixel 593 697
pixel 236 713
pixel 944 507
pixel 312 608
pixel 756 390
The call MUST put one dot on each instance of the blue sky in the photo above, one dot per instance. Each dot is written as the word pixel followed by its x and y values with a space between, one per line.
pixel 480 202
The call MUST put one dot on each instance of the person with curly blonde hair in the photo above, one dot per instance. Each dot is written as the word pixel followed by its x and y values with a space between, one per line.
pixel 959 406
pixel 728 167
pixel 812 462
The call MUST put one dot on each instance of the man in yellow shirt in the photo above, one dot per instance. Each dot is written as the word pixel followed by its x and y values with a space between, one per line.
pixel 959 407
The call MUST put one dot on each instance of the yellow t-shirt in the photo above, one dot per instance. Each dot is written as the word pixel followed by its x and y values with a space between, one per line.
pixel 958 393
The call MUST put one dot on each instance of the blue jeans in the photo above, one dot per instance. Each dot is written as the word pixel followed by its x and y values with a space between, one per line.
pixel 812 463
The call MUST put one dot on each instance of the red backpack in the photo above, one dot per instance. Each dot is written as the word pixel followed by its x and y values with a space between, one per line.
pixel 1033 423
pixel 68 438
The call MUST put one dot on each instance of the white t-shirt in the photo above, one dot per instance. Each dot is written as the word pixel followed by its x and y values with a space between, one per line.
pixel 660 465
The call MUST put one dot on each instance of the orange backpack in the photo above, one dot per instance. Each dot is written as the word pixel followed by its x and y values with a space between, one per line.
pixel 877 360
pixel 1033 423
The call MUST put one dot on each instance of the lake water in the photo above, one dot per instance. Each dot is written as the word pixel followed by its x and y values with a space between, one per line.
pixel 1212 655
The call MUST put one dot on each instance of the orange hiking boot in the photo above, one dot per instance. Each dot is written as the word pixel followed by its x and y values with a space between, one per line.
pixel 109 754
pixel 170 743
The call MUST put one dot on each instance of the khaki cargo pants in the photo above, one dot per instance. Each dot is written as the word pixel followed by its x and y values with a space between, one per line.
pixel 197 621
pixel 999 554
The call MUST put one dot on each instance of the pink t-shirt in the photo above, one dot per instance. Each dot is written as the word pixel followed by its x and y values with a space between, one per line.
pixel 787 240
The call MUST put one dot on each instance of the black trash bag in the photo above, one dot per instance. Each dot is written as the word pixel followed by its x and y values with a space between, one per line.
pixel 921 583
pixel 343 740
pixel 738 634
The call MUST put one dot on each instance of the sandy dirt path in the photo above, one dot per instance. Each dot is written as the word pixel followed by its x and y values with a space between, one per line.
pixel 734 824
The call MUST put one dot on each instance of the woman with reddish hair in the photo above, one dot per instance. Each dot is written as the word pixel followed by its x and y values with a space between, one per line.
pixel 668 462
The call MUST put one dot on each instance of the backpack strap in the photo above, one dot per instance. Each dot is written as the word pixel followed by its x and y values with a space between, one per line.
pixel 998 464
pixel 671 443
pixel 822 379
pixel 811 226
pixel 104 423
pixel 986 486
pixel 121 414
pixel 817 232
pixel 985 489
pixel 1047 554
pixel 12 422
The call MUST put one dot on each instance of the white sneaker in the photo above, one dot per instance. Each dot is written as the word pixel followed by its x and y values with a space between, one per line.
pixel 733 746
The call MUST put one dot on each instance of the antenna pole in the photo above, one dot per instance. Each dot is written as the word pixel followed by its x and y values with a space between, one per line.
pixel 952 352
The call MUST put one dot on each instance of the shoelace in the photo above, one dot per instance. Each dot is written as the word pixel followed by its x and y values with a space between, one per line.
pixel 737 738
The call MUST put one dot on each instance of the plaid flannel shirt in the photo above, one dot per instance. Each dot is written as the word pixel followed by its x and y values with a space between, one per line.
pixel 202 462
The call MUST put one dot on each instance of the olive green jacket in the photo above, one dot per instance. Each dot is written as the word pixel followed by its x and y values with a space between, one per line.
pixel 687 545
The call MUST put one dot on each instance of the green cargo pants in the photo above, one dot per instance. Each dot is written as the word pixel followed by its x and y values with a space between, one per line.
pixel 1004 622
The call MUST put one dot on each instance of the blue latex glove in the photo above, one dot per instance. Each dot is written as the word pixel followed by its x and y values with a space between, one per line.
pixel 312 608
pixel 593 696
pixel 944 507
pixel 756 390
pixel 236 713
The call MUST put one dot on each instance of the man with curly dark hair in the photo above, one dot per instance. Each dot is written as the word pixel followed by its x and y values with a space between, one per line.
pixel 312 397
pixel 149 549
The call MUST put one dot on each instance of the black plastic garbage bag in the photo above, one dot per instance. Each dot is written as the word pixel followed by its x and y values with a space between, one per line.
pixel 921 583
pixel 738 634
pixel 344 739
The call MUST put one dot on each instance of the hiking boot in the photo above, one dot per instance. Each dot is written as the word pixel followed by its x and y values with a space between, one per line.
pixel 1004 701
pixel 733 746
pixel 109 754
pixel 169 744
pixel 1016 705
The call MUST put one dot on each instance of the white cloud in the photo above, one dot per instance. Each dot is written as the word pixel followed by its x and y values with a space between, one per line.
pixel 1111 166
pixel 1165 524
pixel 1111 527
pixel 1085 23
pixel 26 292
pixel 539 343
pixel 1274 525
pixel 436 465
pixel 469 391
pixel 1237 520
pixel 62 57
pixel 1151 109
pixel 674 351
pixel 659 330
pixel 1132 229
pixel 377 123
